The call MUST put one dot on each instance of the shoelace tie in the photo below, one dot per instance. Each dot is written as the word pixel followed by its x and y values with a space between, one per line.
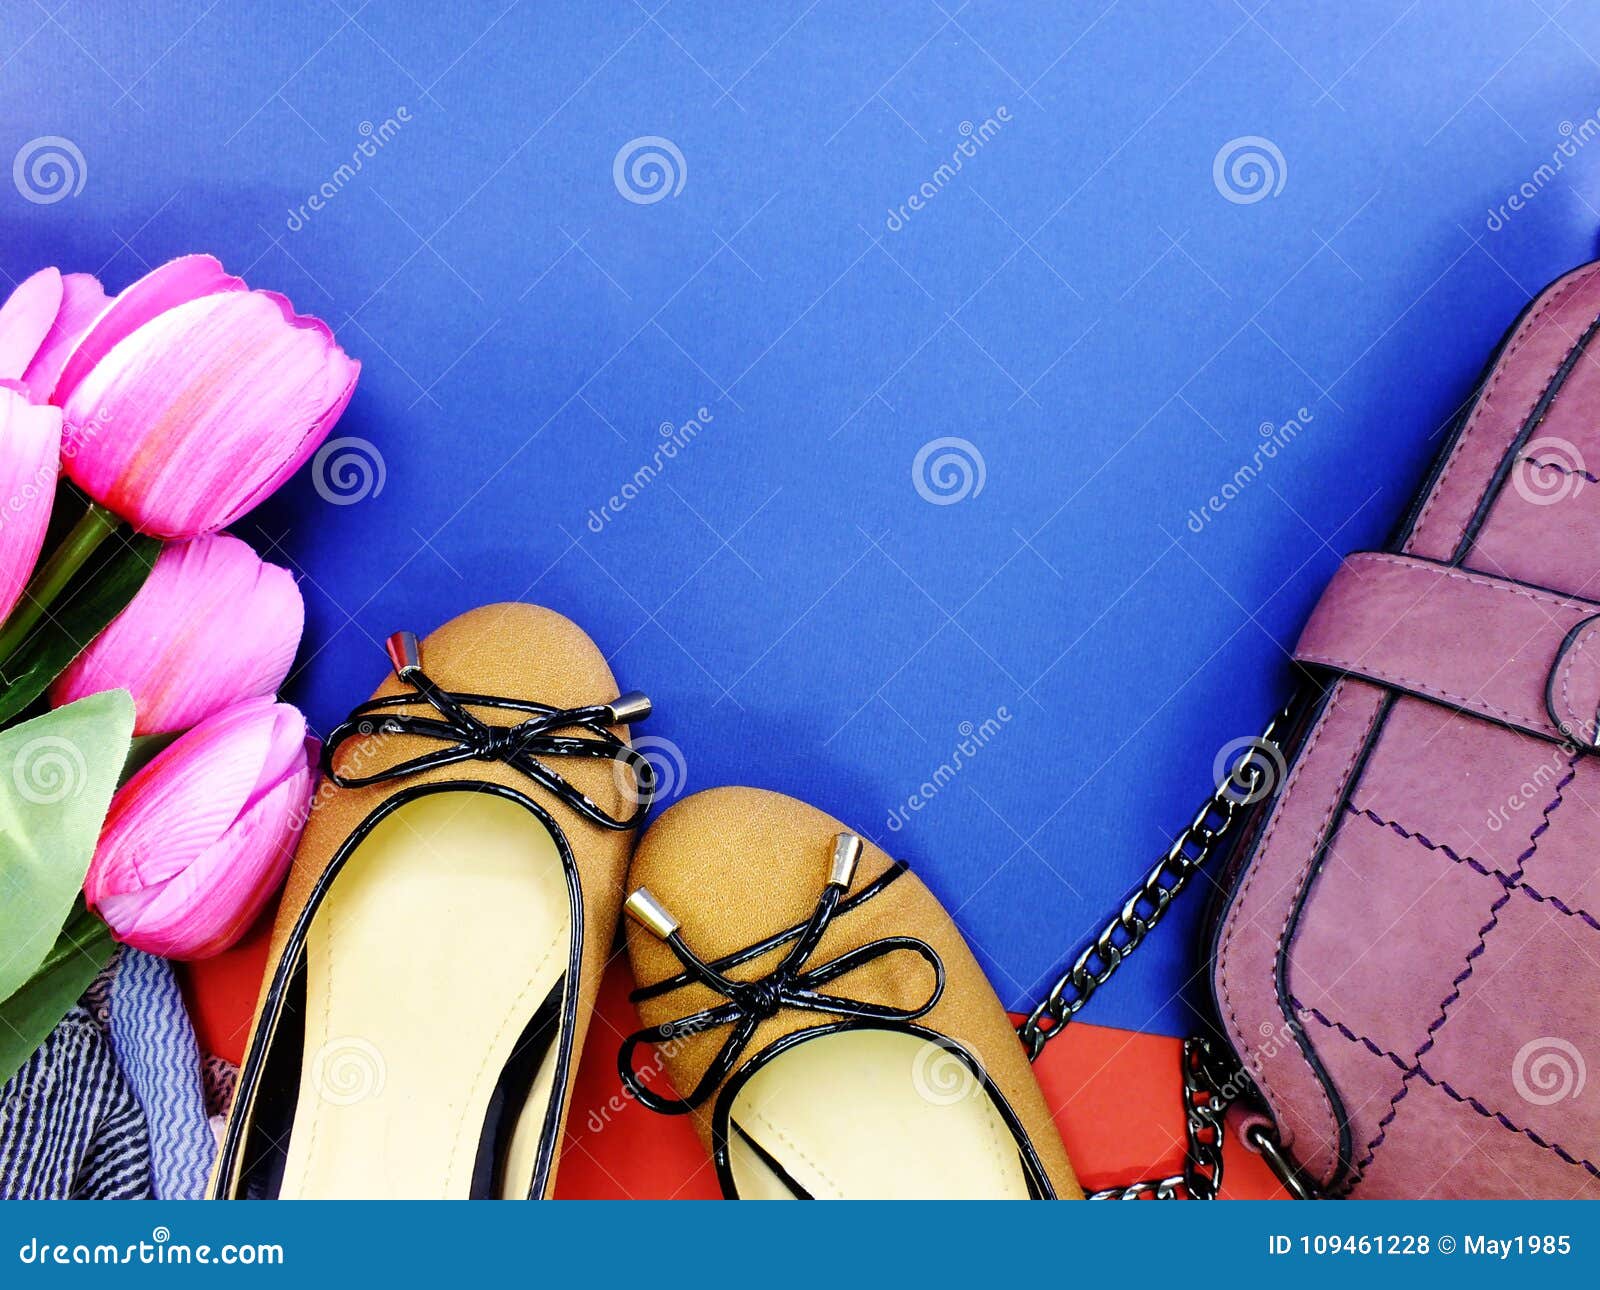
pixel 467 738
pixel 791 984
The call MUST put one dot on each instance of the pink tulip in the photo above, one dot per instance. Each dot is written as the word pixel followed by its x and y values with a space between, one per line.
pixel 26 319
pixel 199 839
pixel 41 323
pixel 82 301
pixel 191 398
pixel 213 624
pixel 30 454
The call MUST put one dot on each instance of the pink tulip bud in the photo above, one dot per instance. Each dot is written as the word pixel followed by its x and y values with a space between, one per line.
pixel 26 319
pixel 40 324
pixel 191 398
pixel 213 624
pixel 82 300
pixel 30 454
pixel 199 839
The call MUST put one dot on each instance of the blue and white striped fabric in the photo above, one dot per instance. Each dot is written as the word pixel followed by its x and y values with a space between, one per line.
pixel 156 1049
pixel 112 1105
pixel 70 1126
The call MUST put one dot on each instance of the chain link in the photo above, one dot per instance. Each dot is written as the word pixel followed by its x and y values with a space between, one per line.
pixel 1143 909
pixel 1208 1088
pixel 1148 1189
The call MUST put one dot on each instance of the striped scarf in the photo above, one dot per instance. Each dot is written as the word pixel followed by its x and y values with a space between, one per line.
pixel 69 1124
pixel 112 1104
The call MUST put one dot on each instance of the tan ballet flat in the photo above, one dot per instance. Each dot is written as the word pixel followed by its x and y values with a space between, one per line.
pixel 820 1016
pixel 442 934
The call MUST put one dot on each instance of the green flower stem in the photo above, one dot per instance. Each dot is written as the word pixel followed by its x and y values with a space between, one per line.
pixel 55 573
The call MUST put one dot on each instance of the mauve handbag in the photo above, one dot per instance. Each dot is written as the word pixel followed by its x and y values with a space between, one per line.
pixel 1408 959
pixel 1404 948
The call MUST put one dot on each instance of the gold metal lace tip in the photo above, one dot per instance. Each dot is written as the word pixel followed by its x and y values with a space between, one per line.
pixel 846 854
pixel 404 652
pixel 650 913
pixel 628 708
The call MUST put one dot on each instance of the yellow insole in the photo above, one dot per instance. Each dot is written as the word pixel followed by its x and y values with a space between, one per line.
pixel 436 943
pixel 872 1114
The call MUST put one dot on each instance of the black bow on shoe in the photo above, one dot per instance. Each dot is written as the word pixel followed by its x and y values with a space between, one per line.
pixel 789 985
pixel 520 746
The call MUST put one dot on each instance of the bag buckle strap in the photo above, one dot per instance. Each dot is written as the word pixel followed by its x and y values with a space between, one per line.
pixel 1515 654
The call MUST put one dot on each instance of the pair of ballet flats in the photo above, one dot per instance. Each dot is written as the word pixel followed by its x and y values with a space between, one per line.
pixel 454 902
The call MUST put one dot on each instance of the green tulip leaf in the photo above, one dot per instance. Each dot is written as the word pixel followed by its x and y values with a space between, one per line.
pixel 57 774
pixel 81 949
pixel 95 597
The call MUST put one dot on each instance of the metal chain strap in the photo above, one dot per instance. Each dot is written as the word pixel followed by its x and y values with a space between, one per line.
pixel 1208 1089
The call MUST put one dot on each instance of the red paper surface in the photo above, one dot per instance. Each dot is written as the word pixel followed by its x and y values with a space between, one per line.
pixel 1116 1096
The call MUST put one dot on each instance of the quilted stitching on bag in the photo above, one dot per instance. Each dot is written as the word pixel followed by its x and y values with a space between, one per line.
pixel 1444 1086
pixel 1407 900
pixel 1477 866
pixel 1468 966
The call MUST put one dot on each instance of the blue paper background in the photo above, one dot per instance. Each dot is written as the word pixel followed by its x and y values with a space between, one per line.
pixel 1081 302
